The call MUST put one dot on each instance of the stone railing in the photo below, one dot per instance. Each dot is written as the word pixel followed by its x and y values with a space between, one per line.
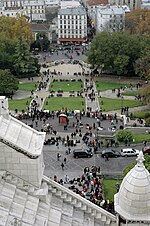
pixel 79 202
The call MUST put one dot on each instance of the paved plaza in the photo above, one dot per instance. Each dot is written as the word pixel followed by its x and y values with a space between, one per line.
pixel 64 68
pixel 74 167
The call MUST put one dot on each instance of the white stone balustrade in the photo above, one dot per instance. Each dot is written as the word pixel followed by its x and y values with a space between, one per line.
pixel 80 202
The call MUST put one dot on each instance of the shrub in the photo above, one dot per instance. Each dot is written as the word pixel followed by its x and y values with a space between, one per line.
pixel 147 115
pixel 124 136
pixel 147 121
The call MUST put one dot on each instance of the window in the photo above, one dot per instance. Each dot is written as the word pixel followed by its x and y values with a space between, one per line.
pixel 64 21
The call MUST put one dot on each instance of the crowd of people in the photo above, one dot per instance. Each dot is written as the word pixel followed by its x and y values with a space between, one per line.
pixel 90 186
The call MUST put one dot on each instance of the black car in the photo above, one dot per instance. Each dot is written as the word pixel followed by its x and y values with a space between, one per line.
pixel 109 153
pixel 82 153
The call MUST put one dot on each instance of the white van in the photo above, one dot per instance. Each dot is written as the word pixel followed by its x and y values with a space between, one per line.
pixel 129 152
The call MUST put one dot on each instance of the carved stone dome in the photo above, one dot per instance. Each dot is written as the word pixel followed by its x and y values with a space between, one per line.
pixel 132 202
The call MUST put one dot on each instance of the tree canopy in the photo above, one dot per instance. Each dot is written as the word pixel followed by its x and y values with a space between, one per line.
pixel 25 65
pixel 138 22
pixel 13 28
pixel 15 39
pixel 8 83
pixel 116 52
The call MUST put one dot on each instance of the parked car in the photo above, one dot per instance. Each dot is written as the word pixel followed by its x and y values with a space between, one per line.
pixel 129 152
pixel 146 150
pixel 110 153
pixel 82 153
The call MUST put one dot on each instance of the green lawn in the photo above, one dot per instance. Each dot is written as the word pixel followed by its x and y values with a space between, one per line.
pixel 102 86
pixel 116 104
pixel 140 114
pixel 109 186
pixel 139 138
pixel 130 93
pixel 19 104
pixel 29 86
pixel 66 86
pixel 59 103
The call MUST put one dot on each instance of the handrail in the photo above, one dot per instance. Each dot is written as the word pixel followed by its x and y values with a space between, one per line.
pixel 83 200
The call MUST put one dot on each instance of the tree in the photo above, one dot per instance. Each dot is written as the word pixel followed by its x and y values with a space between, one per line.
pixel 25 65
pixel 13 28
pixel 142 65
pixel 7 49
pixel 115 52
pixel 42 42
pixel 124 136
pixel 138 22
pixel 8 83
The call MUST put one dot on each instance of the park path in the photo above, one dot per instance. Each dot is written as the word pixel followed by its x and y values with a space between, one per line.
pixel 66 71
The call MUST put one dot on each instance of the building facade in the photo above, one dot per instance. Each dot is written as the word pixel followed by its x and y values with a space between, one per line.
pixel 72 25
pixel 133 4
pixel 109 18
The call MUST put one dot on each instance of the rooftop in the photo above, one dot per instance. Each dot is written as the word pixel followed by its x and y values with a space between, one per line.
pixel 72 11
pixel 132 202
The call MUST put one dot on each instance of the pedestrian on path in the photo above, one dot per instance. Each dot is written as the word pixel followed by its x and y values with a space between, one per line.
pixel 58 156
pixel 65 160
pixel 62 165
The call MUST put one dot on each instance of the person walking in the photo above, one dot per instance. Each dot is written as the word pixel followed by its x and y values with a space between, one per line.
pixel 65 160
pixel 62 166
pixel 58 156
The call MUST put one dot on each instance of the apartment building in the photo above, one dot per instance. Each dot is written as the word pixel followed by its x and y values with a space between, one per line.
pixel 72 25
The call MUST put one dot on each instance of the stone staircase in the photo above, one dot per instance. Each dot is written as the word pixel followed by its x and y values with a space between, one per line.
pixel 22 204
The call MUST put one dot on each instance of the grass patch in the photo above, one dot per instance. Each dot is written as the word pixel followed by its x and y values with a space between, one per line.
pixel 109 186
pixel 140 114
pixel 66 86
pixel 61 103
pixel 139 138
pixel 115 104
pixel 130 93
pixel 29 86
pixel 20 104
pixel 102 86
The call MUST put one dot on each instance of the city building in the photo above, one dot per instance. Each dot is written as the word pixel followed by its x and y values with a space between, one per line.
pixel 72 25
pixel 109 18
pixel 145 4
pixel 35 10
pixel 69 4
pixel 132 4
pixel 28 198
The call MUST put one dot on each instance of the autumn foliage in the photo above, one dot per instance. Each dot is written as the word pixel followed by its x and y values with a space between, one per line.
pixel 138 22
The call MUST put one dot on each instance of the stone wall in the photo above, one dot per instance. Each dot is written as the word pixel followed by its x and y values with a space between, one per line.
pixel 30 170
